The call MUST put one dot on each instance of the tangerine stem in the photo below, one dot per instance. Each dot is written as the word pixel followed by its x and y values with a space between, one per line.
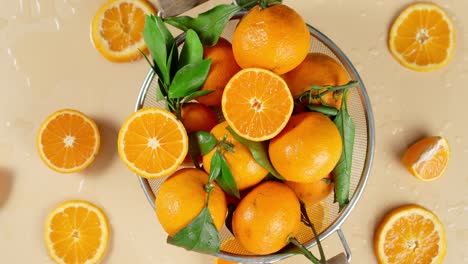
pixel 304 250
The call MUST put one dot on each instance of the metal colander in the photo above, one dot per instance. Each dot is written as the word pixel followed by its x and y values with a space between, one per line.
pixel 360 110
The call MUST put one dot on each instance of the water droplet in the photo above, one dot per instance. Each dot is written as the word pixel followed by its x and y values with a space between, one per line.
pixel 381 37
pixel 80 187
pixel 448 84
pixel 458 139
pixel 8 124
pixel 57 23
pixel 374 52
pixel 363 14
pixel 28 81
pixel 397 130
pixel 451 226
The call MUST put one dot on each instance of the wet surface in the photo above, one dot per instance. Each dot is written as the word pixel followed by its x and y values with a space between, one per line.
pixel 48 62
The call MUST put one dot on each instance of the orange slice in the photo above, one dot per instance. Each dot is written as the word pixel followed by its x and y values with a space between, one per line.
pixel 76 232
pixel 257 104
pixel 422 38
pixel 68 141
pixel 410 234
pixel 117 29
pixel 428 158
pixel 152 142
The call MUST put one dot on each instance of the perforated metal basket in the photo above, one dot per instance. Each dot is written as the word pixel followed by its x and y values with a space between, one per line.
pixel 360 110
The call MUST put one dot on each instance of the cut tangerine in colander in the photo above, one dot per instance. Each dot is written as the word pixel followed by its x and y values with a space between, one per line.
pixel 68 141
pixel 76 232
pixel 422 38
pixel 152 142
pixel 257 104
pixel 117 29
pixel 410 234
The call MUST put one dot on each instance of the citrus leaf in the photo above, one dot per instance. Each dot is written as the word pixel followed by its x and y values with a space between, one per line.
pixel 200 235
pixel 342 171
pixel 248 4
pixel 189 79
pixel 259 153
pixel 172 61
pixel 200 143
pixel 326 110
pixel 208 25
pixel 192 51
pixel 196 94
pixel 215 166
pixel 226 180
pixel 159 41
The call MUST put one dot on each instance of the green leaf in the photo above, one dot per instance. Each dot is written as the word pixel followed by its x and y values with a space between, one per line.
pixel 326 110
pixel 226 181
pixel 209 25
pixel 196 94
pixel 248 4
pixel 159 41
pixel 259 153
pixel 200 143
pixel 206 141
pixel 172 61
pixel 342 171
pixel 160 91
pixel 215 166
pixel 189 79
pixel 192 51
pixel 200 235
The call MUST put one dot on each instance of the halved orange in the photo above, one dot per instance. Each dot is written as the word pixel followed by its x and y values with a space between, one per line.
pixel 257 104
pixel 117 29
pixel 410 234
pixel 68 141
pixel 76 232
pixel 428 158
pixel 422 38
pixel 152 142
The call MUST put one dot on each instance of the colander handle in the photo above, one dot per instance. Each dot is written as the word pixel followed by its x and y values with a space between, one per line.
pixel 342 258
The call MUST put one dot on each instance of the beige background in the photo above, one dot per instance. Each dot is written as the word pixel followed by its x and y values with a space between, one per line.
pixel 48 62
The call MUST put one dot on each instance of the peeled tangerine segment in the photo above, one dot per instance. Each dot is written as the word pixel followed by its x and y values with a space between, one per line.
pixel 428 158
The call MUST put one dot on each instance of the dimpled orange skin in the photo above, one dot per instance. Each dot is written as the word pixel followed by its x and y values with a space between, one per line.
pixel 266 218
pixel 223 67
pixel 198 117
pixel 313 192
pixel 245 170
pixel 275 38
pixel 307 149
pixel 317 69
pixel 181 198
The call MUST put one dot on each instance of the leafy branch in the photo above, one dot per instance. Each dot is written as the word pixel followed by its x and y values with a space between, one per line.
pixel 317 92
pixel 210 24
pixel 179 78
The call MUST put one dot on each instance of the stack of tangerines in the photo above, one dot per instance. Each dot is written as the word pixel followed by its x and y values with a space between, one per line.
pixel 255 81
